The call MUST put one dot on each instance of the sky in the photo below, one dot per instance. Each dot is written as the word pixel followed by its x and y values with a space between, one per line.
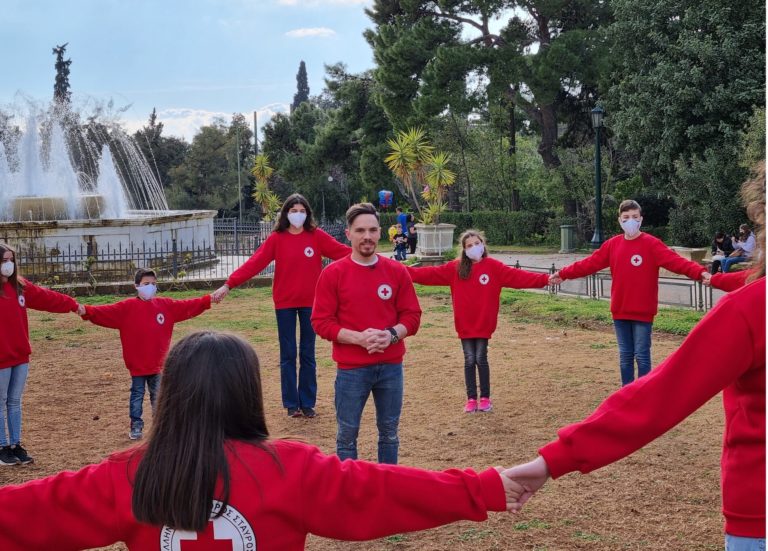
pixel 192 60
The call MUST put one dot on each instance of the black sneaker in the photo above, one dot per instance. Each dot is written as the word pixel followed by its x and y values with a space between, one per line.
pixel 294 412
pixel 308 412
pixel 21 454
pixel 7 457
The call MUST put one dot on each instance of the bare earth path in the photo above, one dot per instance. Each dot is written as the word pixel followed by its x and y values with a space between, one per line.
pixel 664 497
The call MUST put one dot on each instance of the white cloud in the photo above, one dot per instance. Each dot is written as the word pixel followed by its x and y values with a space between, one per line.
pixel 186 123
pixel 318 32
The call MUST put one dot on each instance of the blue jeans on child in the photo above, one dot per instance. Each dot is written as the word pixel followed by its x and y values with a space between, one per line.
pixel 634 339
pixel 301 393
pixel 353 386
pixel 135 407
pixel 12 381
pixel 739 543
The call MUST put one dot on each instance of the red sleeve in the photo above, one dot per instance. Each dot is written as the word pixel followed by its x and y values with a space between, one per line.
pixel 254 265
pixel 326 306
pixel 730 281
pixel 598 260
pixel 189 308
pixel 78 508
pixel 521 279
pixel 641 412
pixel 108 315
pixel 433 275
pixel 669 259
pixel 407 304
pixel 329 247
pixel 379 500
pixel 39 298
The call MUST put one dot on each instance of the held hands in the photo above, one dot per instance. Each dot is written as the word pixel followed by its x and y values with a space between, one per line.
pixel 706 278
pixel 80 309
pixel 512 492
pixel 218 295
pixel 375 340
pixel 531 476
pixel 555 279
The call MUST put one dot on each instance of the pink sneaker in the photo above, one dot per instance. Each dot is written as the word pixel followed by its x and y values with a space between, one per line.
pixel 471 406
pixel 485 405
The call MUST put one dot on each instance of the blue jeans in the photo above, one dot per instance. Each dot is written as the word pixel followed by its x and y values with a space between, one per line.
pixel 353 386
pixel 731 260
pixel 12 381
pixel 634 338
pixel 301 394
pixel 137 396
pixel 739 543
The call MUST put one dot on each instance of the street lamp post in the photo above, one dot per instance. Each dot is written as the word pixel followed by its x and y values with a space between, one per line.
pixel 597 124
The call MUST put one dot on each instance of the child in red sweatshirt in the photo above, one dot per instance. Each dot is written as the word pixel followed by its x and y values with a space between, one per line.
pixel 16 295
pixel 634 259
pixel 476 281
pixel 146 325
pixel 210 478
pixel 297 247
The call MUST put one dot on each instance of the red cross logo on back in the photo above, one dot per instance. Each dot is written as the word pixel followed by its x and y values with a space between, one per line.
pixel 206 541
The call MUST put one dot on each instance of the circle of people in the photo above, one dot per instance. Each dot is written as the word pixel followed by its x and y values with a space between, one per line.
pixel 209 471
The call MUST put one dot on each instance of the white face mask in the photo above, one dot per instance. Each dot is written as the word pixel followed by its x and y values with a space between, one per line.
pixel 7 267
pixel 475 252
pixel 147 292
pixel 631 227
pixel 297 218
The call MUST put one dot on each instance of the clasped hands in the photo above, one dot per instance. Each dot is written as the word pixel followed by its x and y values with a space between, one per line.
pixel 522 481
pixel 375 340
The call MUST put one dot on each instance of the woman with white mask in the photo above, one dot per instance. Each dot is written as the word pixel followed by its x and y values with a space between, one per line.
pixel 297 246
pixel 476 281
pixel 634 258
pixel 16 295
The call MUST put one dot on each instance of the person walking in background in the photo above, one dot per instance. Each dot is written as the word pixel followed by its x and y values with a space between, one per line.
pixel 146 325
pixel 17 296
pixel 634 259
pixel 744 248
pixel 297 246
pixel 366 305
pixel 476 281
pixel 639 413
pixel 209 477
pixel 721 248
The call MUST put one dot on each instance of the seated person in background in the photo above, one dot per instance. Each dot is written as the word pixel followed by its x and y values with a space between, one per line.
pixel 721 248
pixel 743 248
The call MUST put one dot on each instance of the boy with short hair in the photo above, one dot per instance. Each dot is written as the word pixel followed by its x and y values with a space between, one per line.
pixel 634 259
pixel 401 242
pixel 146 326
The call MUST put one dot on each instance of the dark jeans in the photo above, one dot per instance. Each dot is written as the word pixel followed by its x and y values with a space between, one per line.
pixel 353 386
pixel 634 339
pixel 301 393
pixel 412 245
pixel 476 354
pixel 135 408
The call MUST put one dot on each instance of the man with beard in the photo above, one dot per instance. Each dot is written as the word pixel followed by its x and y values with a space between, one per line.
pixel 366 305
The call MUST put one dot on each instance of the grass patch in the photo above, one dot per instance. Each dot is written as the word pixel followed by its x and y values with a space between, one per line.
pixel 532 524
pixel 585 536
pixel 473 534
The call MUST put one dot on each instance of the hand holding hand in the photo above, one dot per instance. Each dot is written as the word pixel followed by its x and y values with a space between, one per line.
pixel 512 492
pixel 218 295
pixel 80 310
pixel 531 476
pixel 555 279
pixel 706 278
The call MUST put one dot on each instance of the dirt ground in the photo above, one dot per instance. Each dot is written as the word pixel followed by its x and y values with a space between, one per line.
pixel 665 496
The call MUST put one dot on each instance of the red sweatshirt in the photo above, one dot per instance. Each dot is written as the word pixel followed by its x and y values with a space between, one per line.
pixel 146 327
pixel 634 267
pixel 649 407
pixel 273 505
pixel 476 299
pixel 14 345
pixel 298 262
pixel 730 281
pixel 356 297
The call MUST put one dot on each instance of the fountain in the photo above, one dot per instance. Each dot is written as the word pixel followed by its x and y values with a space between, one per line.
pixel 82 197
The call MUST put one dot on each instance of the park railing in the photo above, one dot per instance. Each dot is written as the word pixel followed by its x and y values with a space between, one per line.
pixel 173 260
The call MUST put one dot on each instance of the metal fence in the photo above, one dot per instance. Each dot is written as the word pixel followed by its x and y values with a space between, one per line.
pixel 233 244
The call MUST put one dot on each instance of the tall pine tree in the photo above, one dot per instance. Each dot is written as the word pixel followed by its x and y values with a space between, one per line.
pixel 302 87
pixel 61 93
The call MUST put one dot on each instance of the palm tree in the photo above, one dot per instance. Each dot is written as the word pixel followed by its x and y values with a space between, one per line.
pixel 269 201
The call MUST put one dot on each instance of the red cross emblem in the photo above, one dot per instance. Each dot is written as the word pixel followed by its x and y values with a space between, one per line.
pixel 309 252
pixel 160 319
pixel 636 260
pixel 206 541
pixel 22 301
pixel 384 291
pixel 484 279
